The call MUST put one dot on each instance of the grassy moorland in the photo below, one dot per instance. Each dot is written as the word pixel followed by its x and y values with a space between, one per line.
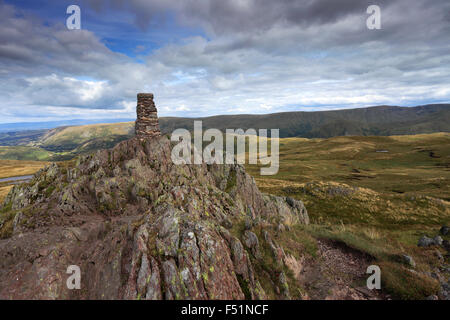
pixel 376 194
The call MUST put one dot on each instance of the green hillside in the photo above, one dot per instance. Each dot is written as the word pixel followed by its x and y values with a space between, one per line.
pixel 86 138
pixel 374 121
pixel 65 142
pixel 25 153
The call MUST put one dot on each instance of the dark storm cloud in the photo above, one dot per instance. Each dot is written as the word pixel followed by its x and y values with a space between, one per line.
pixel 244 16
pixel 324 23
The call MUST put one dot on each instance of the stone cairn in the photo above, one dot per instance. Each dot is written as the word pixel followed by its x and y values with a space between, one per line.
pixel 147 118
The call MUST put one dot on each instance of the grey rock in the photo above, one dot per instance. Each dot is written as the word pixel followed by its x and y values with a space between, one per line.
pixel 438 240
pixel 408 260
pixel 251 242
pixel 144 274
pixel 154 283
pixel 444 230
pixel 426 241
pixel 445 291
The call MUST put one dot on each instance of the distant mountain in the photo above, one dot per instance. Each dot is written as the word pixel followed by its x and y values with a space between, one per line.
pixel 21 138
pixel 65 142
pixel 32 126
pixel 373 121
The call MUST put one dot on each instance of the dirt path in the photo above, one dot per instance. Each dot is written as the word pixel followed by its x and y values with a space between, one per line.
pixel 339 273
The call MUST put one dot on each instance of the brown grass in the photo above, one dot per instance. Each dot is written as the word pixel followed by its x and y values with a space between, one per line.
pixel 13 168
pixel 4 192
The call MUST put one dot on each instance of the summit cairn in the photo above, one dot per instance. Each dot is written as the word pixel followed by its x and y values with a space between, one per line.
pixel 147 118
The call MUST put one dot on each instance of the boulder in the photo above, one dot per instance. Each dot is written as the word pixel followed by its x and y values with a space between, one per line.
pixel 444 230
pixel 426 241
pixel 408 260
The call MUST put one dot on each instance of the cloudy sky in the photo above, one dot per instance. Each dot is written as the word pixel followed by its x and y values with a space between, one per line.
pixel 207 57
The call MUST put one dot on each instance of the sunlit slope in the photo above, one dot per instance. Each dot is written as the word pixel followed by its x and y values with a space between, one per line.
pixel 396 164
pixel 25 153
pixel 66 142
pixel 85 138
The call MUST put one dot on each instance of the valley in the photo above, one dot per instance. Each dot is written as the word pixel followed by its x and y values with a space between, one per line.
pixel 64 143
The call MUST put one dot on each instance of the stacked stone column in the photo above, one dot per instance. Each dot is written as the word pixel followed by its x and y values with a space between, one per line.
pixel 147 117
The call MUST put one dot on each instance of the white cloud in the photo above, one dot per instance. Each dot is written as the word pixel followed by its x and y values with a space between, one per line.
pixel 332 61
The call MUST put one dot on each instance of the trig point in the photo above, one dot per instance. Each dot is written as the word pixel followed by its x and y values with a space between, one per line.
pixel 147 117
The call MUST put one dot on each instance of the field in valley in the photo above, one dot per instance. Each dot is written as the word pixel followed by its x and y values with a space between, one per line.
pixel 14 168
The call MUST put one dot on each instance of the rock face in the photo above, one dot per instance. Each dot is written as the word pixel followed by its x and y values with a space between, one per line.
pixel 147 118
pixel 426 241
pixel 141 227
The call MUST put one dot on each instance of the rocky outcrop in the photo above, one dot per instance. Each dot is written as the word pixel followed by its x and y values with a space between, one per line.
pixel 140 227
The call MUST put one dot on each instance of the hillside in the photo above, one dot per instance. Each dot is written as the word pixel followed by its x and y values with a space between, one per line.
pixel 21 138
pixel 373 121
pixel 401 165
pixel 66 142
pixel 25 153
pixel 86 138
pixel 63 143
